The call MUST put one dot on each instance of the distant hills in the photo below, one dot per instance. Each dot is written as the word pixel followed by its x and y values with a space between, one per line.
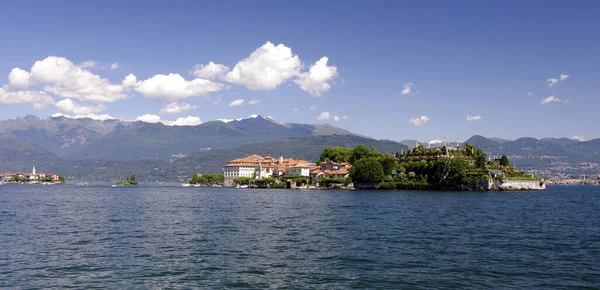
pixel 106 150
pixel 82 139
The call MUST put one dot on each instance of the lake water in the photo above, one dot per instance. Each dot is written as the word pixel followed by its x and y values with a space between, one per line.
pixel 173 237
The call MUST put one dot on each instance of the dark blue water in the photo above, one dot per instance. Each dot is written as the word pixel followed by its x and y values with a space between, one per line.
pixel 157 237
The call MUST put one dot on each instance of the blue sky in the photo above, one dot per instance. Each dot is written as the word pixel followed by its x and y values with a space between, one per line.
pixel 459 58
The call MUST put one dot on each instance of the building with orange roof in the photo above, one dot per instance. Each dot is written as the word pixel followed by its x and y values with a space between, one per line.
pixel 258 167
pixel 331 170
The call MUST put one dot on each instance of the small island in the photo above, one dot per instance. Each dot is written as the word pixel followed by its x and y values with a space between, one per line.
pixel 128 181
pixel 32 177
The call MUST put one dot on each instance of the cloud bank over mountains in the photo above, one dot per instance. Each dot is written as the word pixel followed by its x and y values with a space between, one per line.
pixel 77 89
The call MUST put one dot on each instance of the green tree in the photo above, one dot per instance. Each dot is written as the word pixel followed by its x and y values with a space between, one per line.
pixel 335 154
pixel 360 152
pixel 504 161
pixel 367 170
pixel 389 163
pixel 480 159
pixel 448 173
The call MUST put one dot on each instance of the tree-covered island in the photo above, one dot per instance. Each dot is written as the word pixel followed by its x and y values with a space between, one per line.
pixel 130 180
pixel 452 168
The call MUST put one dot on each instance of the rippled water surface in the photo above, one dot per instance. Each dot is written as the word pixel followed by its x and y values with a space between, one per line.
pixel 155 237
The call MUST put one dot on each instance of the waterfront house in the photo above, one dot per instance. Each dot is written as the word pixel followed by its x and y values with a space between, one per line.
pixel 258 167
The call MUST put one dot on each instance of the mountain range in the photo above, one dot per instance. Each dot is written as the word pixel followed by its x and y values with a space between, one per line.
pixel 82 139
pixel 105 150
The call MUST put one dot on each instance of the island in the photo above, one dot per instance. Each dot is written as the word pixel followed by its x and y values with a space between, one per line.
pixel 128 181
pixel 32 177
pixel 443 168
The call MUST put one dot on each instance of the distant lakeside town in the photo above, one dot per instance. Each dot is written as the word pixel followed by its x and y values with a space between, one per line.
pixel 32 177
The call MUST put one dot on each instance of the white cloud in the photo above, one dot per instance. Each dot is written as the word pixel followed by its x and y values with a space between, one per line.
pixel 237 102
pixel 418 121
pixel 529 94
pixel 407 88
pixel 316 80
pixel 69 106
pixel 87 64
pixel 184 121
pixel 254 101
pixel 473 118
pixel 296 109
pixel 435 141
pixel 59 76
pixel 313 107
pixel 102 117
pixel 114 66
pixel 550 99
pixel 210 71
pixel 18 78
pixel 148 118
pixel 175 107
pixel 578 138
pixel 324 116
pixel 173 86
pixel 340 118
pixel 552 81
pixel 129 81
pixel 266 68
pixel 38 99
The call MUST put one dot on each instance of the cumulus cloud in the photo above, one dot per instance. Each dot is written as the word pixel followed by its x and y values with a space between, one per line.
pixel 114 66
pixel 407 88
pixel 175 107
pixel 266 68
pixel 324 116
pixel 129 81
pixel 61 77
pixel 529 94
pixel 578 138
pixel 18 79
pixel 38 99
pixel 316 80
pixel 418 121
pixel 550 99
pixel 236 103
pixel 148 118
pixel 563 77
pixel 173 86
pixel 473 118
pixel 313 107
pixel 184 121
pixel 69 106
pixel 102 117
pixel 210 71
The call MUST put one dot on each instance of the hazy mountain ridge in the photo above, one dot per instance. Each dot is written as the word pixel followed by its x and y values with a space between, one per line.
pixel 79 139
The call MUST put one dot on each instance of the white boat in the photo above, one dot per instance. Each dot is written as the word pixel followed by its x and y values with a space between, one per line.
pixel 185 185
